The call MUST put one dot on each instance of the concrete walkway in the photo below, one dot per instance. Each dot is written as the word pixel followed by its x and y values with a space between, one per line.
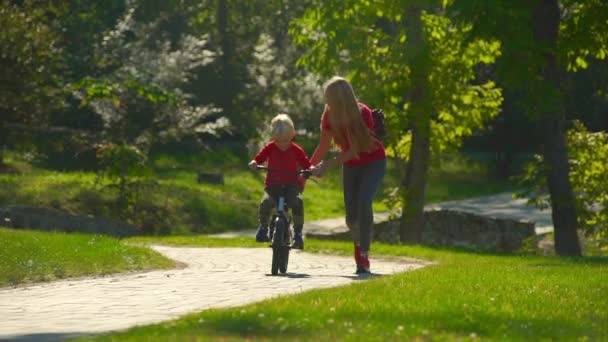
pixel 213 278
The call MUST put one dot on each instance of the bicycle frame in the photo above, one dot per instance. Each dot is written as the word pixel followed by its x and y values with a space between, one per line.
pixel 281 225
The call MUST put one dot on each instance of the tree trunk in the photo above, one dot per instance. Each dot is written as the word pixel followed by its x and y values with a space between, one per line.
pixel 412 219
pixel 546 27
pixel 414 184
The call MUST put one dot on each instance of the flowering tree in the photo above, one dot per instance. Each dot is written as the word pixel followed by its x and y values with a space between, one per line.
pixel 140 97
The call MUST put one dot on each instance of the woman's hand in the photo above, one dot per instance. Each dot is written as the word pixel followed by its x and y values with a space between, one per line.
pixel 253 165
pixel 319 169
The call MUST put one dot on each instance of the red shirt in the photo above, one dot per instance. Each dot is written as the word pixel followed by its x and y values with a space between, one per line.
pixel 288 162
pixel 377 152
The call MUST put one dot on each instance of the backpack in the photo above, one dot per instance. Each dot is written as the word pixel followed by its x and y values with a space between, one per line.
pixel 379 126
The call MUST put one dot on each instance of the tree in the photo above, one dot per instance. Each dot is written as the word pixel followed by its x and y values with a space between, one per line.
pixel 29 56
pixel 546 38
pixel 140 96
pixel 254 75
pixel 588 152
pixel 407 57
pixel 545 32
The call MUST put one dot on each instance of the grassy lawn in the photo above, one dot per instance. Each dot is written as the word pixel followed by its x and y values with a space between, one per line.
pixel 464 296
pixel 30 256
pixel 179 205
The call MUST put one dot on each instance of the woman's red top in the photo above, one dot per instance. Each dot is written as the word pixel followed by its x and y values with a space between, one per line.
pixel 377 152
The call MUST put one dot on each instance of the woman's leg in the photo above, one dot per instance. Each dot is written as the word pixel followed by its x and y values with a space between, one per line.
pixel 351 179
pixel 371 175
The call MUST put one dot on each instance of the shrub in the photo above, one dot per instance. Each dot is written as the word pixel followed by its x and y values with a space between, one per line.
pixel 588 153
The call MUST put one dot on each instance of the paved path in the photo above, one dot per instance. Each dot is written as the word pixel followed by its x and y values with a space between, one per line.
pixel 498 206
pixel 214 277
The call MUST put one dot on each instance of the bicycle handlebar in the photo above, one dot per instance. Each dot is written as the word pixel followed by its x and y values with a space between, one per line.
pixel 306 172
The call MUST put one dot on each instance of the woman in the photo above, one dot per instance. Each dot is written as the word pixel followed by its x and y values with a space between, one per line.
pixel 348 123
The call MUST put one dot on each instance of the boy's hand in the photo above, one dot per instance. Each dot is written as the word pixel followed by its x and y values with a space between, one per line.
pixel 253 165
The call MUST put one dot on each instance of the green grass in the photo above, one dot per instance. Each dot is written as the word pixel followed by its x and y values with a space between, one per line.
pixel 31 256
pixel 463 296
pixel 180 205
pixel 457 177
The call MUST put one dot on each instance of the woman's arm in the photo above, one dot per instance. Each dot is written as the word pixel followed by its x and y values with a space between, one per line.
pixel 322 151
pixel 322 148
pixel 322 167
pixel 340 159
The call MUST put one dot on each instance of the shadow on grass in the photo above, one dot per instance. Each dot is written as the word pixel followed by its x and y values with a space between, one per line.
pixel 447 324
pixel 250 326
pixel 592 260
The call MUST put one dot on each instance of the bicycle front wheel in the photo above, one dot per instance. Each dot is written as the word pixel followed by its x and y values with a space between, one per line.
pixel 280 249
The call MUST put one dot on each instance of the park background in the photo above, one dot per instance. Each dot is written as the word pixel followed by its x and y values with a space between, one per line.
pixel 124 110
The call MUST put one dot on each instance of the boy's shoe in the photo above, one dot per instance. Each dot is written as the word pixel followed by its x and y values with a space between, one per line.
pixel 262 234
pixel 298 242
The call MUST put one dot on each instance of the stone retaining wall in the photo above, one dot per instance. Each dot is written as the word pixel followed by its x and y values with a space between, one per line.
pixel 450 228
pixel 19 216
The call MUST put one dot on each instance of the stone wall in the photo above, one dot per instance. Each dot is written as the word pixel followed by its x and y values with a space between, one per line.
pixel 19 216
pixel 450 228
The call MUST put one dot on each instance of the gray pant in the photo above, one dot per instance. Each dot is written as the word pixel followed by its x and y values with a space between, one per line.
pixel 292 199
pixel 360 185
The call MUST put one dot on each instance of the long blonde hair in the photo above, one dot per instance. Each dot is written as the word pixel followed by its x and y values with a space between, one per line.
pixel 347 125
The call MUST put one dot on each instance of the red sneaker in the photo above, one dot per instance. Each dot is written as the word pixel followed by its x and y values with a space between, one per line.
pixel 357 254
pixel 362 261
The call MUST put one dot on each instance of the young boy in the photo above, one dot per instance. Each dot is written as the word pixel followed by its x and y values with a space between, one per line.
pixel 284 158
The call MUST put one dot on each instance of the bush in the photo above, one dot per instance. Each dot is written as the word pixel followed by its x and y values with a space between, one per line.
pixel 588 153
pixel 125 167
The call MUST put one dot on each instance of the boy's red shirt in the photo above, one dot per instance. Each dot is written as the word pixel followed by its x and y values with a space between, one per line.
pixel 377 151
pixel 288 162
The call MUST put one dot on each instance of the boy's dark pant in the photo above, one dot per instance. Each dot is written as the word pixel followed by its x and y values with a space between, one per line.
pixel 292 199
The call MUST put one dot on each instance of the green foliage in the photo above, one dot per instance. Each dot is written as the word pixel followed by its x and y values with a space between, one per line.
pixel 125 167
pixel 410 59
pixel 30 56
pixel 463 107
pixel 588 153
pixel 581 37
pixel 367 41
pixel 589 177
pixel 583 33
pixel 106 89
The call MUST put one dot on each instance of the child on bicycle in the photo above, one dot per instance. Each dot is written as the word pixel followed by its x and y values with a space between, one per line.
pixel 284 158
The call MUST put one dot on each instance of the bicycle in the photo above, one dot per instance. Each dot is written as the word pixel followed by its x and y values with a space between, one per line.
pixel 280 224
